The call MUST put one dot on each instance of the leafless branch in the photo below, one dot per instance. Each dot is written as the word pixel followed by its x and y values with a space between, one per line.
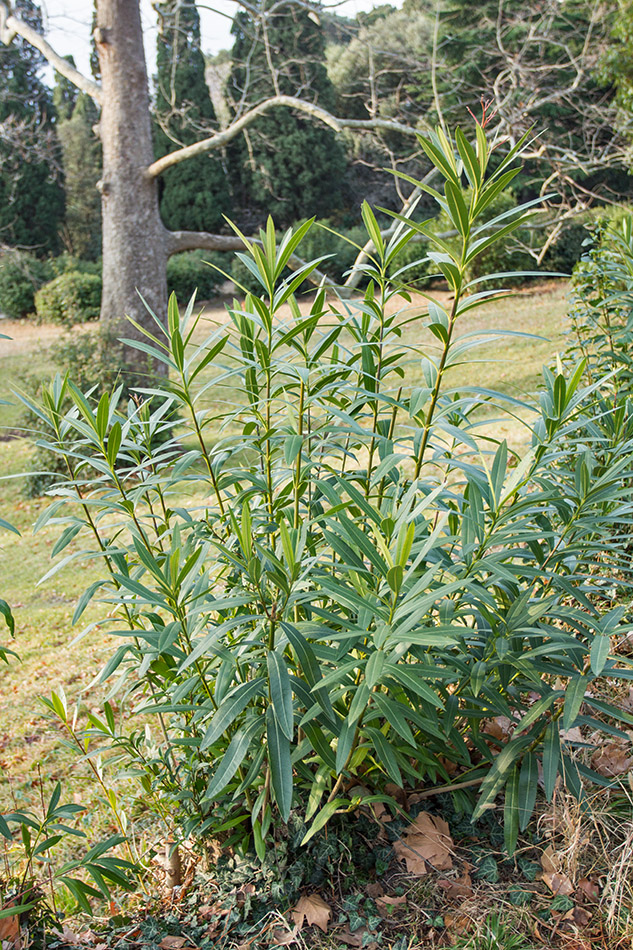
pixel 322 115
pixel 202 240
pixel 11 26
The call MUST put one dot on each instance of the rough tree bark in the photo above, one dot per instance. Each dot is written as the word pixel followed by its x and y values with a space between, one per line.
pixel 136 245
pixel 135 242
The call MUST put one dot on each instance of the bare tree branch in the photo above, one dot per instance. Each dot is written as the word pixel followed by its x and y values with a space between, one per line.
pixel 178 241
pixel 222 138
pixel 11 26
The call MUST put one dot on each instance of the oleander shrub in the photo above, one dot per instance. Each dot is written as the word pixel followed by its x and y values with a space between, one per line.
pixel 601 312
pixel 502 256
pixel 413 265
pixel 21 275
pixel 332 581
pixel 70 298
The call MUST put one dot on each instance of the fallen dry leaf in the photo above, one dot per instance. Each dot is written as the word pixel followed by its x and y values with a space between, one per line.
pixel 426 844
pixel 282 938
pixel 449 766
pixel 355 938
pixel 312 909
pixel 174 943
pixel 559 884
pixel 207 911
pixel 459 888
pixel 72 939
pixel 571 735
pixel 588 891
pixel 10 933
pixel 375 889
pixel 457 924
pixel 501 727
pixel 552 876
pixel 613 758
pixel 10 930
pixel 396 792
pixel 243 893
pixel 579 916
pixel 548 861
pixel 386 905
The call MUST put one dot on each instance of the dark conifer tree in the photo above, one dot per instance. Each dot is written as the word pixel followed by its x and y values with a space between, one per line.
pixel 77 118
pixel 195 193
pixel 31 192
pixel 288 164
pixel 81 152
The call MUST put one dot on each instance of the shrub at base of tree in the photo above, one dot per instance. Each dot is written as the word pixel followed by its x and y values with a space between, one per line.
pixel 72 297
pixel 191 272
pixel 21 275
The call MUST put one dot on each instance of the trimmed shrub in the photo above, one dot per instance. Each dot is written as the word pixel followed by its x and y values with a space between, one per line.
pixel 567 250
pixel 191 271
pixel 319 241
pixel 70 262
pixel 72 297
pixel 21 275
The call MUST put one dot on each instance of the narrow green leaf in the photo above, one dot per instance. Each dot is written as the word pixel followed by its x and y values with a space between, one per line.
pixel 5 610
pixel 231 760
pixel 574 695
pixel 281 693
pixel 528 784
pixel 412 680
pixel 322 818
pixel 384 754
pixel 600 653
pixel 230 709
pixel 114 443
pixel 551 759
pixel 344 744
pixel 280 763
pixel 511 812
pixel 373 230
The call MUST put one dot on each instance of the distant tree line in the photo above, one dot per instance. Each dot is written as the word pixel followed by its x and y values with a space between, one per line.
pixel 562 67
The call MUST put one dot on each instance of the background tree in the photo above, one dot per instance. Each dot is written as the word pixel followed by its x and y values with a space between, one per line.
pixel 31 192
pixel 194 194
pixel 77 118
pixel 540 64
pixel 383 67
pixel 286 165
pixel 136 243
pixel 617 69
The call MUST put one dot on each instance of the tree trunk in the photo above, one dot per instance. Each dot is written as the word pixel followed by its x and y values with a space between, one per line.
pixel 135 246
